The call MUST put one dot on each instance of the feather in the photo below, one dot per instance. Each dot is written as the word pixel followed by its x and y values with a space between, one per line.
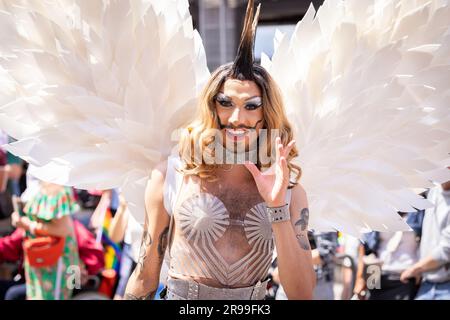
pixel 366 86
pixel 93 90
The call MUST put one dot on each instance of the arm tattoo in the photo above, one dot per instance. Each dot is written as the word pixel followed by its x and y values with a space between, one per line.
pixel 146 242
pixel 304 219
pixel 163 242
pixel 129 296
pixel 303 224
pixel 303 241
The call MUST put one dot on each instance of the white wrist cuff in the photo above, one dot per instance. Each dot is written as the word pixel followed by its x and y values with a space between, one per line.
pixel 279 214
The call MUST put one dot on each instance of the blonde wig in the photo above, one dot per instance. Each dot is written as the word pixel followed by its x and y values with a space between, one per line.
pixel 200 136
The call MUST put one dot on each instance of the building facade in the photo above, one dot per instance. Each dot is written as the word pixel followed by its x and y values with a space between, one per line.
pixel 220 23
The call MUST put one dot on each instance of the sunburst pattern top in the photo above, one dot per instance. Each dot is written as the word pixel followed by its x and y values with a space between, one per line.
pixel 204 226
pixel 224 239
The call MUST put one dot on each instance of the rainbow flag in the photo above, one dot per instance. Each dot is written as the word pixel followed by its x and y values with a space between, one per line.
pixel 113 251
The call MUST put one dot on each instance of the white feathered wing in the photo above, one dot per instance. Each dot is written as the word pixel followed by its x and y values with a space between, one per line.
pixel 367 86
pixel 93 90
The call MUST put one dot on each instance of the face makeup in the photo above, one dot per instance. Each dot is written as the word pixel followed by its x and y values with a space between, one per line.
pixel 238 133
pixel 226 102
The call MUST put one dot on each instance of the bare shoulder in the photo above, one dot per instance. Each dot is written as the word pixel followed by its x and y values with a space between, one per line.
pixel 298 196
pixel 159 172
pixel 155 183
pixel 154 196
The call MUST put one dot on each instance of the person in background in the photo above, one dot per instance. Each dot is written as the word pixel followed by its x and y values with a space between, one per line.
pixel 391 253
pixel 434 264
pixel 48 213
pixel 14 167
pixel 121 230
pixel 349 246
pixel 11 170
pixel 324 264
pixel 5 197
pixel 109 200
pixel 3 171
pixel 323 251
pixel 11 250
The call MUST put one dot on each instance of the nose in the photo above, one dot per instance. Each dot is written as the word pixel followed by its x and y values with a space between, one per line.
pixel 234 119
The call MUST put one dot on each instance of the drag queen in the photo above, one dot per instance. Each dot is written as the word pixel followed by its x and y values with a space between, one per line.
pixel 227 218
pixel 98 97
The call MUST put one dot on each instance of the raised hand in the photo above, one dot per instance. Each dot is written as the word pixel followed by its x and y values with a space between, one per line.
pixel 272 184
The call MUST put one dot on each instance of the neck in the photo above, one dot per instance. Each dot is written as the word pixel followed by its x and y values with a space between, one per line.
pixel 237 173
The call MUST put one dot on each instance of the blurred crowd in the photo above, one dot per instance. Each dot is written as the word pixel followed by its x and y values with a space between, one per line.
pixel 402 265
pixel 57 242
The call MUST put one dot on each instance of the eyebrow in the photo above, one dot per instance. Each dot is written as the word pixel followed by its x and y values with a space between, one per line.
pixel 255 99
pixel 224 96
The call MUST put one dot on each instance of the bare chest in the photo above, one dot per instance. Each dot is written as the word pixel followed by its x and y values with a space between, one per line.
pixel 237 199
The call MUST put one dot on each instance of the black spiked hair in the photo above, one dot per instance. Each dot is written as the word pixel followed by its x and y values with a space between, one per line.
pixel 243 63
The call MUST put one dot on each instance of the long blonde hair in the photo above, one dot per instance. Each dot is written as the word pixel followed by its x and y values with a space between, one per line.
pixel 197 132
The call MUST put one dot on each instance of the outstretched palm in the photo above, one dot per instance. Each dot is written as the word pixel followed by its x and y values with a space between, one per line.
pixel 272 184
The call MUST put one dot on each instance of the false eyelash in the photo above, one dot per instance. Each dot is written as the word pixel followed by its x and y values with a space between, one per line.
pixel 253 106
pixel 224 103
